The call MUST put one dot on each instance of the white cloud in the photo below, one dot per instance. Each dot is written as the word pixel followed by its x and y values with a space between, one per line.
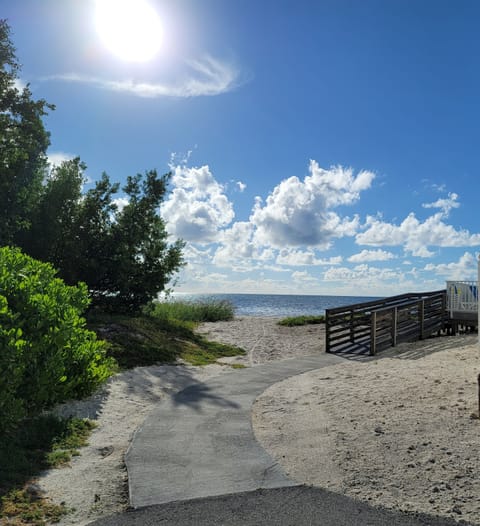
pixel 241 186
pixel 120 202
pixel 416 236
pixel 236 246
pixel 303 258
pixel 360 272
pixel 197 207
pixel 371 255
pixel 299 212
pixel 19 84
pixel 57 158
pixel 365 280
pixel 207 76
pixel 444 204
pixel 303 277
pixel 464 269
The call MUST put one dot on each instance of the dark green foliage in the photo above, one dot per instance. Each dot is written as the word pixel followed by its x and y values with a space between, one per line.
pixel 53 235
pixel 140 262
pixel 201 311
pixel 23 145
pixel 46 353
pixel 302 320
pixel 122 255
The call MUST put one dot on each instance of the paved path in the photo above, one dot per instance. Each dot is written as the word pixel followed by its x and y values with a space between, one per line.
pixel 291 506
pixel 195 462
pixel 200 442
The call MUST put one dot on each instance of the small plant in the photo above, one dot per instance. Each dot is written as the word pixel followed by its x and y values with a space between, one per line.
pixel 302 320
pixel 201 311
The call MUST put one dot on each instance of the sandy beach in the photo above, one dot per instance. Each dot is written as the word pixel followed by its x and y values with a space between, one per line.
pixel 396 431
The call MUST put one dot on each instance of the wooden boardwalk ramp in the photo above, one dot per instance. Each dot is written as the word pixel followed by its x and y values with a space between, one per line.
pixel 375 325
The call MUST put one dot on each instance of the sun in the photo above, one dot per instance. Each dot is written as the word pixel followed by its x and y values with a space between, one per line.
pixel 130 29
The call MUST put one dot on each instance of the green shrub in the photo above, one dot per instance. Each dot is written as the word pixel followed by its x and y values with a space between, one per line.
pixel 199 311
pixel 46 353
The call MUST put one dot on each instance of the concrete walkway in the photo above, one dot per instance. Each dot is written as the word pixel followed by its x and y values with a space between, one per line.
pixel 195 462
pixel 200 441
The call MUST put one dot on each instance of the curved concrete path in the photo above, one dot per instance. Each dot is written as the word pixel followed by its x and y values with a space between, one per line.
pixel 200 441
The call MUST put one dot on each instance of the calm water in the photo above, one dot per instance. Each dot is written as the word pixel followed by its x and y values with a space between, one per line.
pixel 276 304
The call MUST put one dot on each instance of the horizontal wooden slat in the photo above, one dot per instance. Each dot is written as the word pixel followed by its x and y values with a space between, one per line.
pixel 409 316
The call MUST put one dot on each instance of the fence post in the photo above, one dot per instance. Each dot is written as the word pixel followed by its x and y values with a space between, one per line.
pixel 327 331
pixel 422 319
pixel 352 331
pixel 373 334
pixel 394 326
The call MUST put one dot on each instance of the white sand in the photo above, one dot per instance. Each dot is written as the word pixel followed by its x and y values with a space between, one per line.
pixel 395 431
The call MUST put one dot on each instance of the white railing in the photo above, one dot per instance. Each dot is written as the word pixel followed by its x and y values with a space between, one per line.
pixel 462 296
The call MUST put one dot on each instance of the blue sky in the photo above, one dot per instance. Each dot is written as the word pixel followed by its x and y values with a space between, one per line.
pixel 317 147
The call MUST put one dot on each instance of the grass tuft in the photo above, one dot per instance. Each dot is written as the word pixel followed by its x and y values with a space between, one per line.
pixel 302 320
pixel 19 508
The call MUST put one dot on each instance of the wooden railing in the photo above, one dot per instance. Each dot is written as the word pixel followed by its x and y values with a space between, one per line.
pixel 462 296
pixel 379 324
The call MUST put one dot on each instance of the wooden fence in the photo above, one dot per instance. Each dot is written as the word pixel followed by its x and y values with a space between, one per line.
pixel 376 325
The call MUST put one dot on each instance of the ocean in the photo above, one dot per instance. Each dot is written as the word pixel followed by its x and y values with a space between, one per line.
pixel 276 305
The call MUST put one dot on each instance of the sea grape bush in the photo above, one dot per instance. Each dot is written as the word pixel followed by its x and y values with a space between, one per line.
pixel 46 353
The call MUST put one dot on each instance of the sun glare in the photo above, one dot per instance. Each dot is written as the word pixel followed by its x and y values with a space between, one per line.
pixel 130 29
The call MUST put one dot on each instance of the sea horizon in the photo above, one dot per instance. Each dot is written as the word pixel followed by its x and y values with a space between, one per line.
pixel 275 304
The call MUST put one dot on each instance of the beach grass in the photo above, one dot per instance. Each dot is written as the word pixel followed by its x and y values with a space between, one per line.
pixel 155 338
pixel 193 311
pixel 296 321
pixel 39 443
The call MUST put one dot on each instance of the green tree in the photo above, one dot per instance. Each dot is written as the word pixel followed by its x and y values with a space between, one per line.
pixel 52 235
pixel 122 254
pixel 142 262
pixel 23 145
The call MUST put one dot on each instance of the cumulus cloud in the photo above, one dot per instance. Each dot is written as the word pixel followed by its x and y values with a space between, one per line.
pixel 120 202
pixel 416 236
pixel 300 213
pixel 206 77
pixel 362 275
pixel 463 269
pixel 57 158
pixel 19 84
pixel 197 208
pixel 444 204
pixel 304 258
pixel 241 186
pixel 371 255
pixel 236 244
pixel 303 277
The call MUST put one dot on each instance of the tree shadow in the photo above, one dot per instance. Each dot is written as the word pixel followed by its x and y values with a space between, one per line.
pixel 196 395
